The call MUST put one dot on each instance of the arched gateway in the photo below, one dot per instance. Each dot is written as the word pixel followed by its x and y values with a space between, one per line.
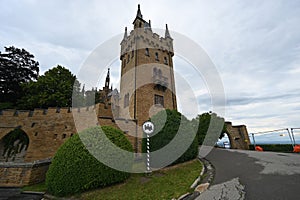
pixel 238 136
pixel 13 146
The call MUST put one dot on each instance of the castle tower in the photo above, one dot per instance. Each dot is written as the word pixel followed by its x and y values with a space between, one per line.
pixel 147 78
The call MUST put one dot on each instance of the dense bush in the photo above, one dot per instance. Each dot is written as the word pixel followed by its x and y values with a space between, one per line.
pixel 274 147
pixel 203 122
pixel 74 169
pixel 166 127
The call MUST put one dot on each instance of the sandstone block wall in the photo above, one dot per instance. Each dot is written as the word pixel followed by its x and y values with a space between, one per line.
pixel 21 174
pixel 238 136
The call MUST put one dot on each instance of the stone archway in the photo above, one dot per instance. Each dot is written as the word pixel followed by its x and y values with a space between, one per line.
pixel 238 136
pixel 13 146
pixel 224 142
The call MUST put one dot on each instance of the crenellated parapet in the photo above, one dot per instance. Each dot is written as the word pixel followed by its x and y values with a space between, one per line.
pixel 48 128
pixel 148 39
pixel 50 111
pixel 142 37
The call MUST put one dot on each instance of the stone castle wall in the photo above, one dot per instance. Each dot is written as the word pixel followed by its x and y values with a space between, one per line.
pixel 47 130
pixel 21 174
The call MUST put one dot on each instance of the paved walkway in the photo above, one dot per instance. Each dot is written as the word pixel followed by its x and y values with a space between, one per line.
pixel 253 175
pixel 15 194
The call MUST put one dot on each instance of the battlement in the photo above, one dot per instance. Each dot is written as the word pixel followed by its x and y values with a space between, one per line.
pixel 49 111
pixel 149 40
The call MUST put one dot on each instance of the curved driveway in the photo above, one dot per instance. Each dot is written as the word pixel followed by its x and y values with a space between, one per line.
pixel 253 175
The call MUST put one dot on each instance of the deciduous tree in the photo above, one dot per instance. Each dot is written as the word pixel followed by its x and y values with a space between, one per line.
pixel 53 89
pixel 17 66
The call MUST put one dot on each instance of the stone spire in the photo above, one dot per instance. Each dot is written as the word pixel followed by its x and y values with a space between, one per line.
pixel 139 13
pixel 149 24
pixel 167 33
pixel 125 34
pixel 107 80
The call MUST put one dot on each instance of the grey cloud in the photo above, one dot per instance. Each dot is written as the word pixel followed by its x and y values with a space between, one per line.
pixel 254 44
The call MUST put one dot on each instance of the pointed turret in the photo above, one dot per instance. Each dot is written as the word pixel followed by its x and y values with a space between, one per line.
pixel 107 80
pixel 149 24
pixel 139 22
pixel 139 13
pixel 167 33
pixel 125 34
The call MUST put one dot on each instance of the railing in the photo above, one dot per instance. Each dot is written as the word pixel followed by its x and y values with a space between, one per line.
pixel 275 133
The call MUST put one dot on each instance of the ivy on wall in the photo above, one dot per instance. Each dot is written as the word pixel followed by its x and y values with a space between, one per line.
pixel 14 142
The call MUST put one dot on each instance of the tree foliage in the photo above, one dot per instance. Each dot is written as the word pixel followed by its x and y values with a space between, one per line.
pixel 53 89
pixel 170 123
pixel 203 121
pixel 17 66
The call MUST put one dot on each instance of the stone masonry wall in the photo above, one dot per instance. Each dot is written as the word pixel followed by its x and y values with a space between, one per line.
pixel 238 136
pixel 20 174
pixel 49 129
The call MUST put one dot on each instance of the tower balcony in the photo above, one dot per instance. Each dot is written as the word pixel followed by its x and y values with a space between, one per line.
pixel 160 82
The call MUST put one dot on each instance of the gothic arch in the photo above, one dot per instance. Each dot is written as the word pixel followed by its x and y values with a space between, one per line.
pixel 14 145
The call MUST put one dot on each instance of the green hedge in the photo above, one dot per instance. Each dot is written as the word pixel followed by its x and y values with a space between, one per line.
pixel 203 121
pixel 74 169
pixel 274 147
pixel 168 130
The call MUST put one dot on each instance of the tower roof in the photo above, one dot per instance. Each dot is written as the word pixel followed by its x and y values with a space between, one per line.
pixel 139 14
pixel 167 33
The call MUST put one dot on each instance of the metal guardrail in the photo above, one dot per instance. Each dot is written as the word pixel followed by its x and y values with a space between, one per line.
pixel 289 131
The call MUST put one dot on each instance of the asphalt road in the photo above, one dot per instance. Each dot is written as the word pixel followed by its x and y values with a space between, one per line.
pixel 254 175
pixel 15 194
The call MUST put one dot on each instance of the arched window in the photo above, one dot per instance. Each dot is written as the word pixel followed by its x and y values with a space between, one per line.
pixel 156 56
pixel 132 53
pixel 147 52
pixel 128 57
pixel 165 60
pixel 158 100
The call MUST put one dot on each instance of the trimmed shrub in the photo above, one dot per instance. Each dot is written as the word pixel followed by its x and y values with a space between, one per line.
pixel 168 123
pixel 74 169
pixel 203 121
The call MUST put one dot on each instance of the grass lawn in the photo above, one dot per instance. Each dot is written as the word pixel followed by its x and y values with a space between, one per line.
pixel 41 187
pixel 168 183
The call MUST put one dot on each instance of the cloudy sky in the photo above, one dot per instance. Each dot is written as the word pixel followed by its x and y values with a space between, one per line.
pixel 254 44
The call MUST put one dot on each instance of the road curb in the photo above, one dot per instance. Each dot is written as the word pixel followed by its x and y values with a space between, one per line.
pixel 203 182
pixel 32 192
